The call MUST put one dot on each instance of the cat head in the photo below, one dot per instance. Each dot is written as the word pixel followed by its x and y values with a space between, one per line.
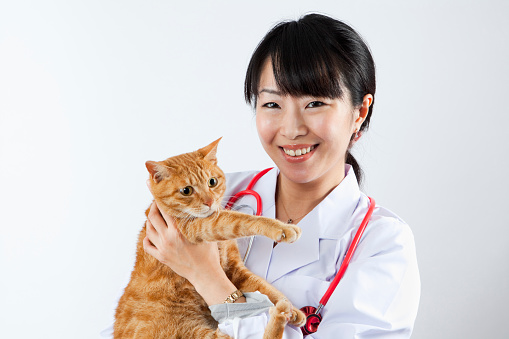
pixel 190 184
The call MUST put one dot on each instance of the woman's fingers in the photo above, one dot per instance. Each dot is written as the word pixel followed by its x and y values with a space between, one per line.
pixel 152 234
pixel 154 216
pixel 162 233
pixel 167 219
pixel 168 231
pixel 149 248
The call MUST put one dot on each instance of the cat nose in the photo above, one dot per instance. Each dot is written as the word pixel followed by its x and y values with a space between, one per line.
pixel 208 202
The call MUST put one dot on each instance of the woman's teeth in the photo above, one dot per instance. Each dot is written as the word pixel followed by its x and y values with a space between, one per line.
pixel 297 152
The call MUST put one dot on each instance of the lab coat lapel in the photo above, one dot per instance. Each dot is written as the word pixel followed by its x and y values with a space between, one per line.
pixel 288 257
pixel 271 263
pixel 285 257
pixel 329 220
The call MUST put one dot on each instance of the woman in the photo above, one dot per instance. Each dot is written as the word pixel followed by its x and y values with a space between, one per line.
pixel 312 83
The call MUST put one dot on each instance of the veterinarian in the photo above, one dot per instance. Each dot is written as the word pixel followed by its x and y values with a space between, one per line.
pixel 312 83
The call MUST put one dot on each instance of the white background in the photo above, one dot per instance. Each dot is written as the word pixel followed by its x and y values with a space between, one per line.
pixel 90 90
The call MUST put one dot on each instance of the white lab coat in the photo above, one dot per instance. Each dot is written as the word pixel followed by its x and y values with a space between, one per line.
pixel 379 294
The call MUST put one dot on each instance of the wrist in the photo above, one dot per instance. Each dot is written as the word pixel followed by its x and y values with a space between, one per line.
pixel 216 289
pixel 233 297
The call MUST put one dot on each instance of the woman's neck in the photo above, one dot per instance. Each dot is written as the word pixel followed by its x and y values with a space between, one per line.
pixel 295 200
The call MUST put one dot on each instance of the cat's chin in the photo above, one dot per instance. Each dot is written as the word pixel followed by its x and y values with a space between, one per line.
pixel 209 213
pixel 204 214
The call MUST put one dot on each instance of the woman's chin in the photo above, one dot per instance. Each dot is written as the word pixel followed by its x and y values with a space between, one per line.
pixel 297 174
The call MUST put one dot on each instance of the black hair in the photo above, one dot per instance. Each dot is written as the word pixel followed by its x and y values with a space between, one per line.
pixel 317 56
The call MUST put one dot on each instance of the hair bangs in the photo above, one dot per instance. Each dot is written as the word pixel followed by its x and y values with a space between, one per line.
pixel 303 65
pixel 302 62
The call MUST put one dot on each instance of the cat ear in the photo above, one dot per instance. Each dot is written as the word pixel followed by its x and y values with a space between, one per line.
pixel 157 171
pixel 209 151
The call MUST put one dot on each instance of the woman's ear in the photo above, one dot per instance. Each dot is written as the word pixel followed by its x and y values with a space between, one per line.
pixel 363 111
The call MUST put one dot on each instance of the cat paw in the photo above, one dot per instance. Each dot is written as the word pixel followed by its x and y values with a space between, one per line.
pixel 283 309
pixel 284 313
pixel 291 315
pixel 298 318
pixel 288 233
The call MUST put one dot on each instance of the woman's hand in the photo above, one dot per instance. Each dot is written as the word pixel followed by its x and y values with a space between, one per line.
pixel 198 263
pixel 165 243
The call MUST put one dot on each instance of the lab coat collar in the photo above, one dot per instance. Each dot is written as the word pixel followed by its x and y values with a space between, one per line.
pixel 330 219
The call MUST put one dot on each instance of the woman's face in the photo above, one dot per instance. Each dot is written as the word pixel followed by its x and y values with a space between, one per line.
pixel 306 137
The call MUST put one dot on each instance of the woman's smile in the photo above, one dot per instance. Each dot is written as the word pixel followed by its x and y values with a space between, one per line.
pixel 298 153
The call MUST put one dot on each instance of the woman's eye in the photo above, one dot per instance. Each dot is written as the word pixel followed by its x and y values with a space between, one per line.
pixel 315 104
pixel 187 191
pixel 271 105
pixel 213 182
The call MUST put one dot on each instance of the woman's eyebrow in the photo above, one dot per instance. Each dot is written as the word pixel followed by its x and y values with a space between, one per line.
pixel 270 91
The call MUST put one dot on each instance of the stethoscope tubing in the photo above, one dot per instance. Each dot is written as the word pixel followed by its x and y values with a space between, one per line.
pixel 249 191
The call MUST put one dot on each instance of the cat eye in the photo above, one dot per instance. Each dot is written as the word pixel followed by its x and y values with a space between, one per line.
pixel 213 182
pixel 187 191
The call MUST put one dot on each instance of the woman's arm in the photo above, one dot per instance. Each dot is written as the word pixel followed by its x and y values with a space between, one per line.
pixel 198 263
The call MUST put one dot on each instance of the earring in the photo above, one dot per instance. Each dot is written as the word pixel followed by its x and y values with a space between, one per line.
pixel 357 135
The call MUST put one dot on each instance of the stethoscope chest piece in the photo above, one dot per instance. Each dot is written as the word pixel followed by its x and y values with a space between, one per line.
pixel 313 319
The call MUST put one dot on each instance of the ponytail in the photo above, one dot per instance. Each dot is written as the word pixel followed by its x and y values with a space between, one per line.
pixel 355 165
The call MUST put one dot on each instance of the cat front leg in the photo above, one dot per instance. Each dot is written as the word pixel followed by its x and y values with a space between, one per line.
pixel 225 225
pixel 259 225
pixel 280 315
pixel 247 281
pixel 294 316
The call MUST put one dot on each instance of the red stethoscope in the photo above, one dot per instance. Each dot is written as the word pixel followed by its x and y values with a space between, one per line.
pixel 313 317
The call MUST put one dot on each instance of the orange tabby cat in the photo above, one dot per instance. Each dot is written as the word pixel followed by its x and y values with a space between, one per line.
pixel 158 303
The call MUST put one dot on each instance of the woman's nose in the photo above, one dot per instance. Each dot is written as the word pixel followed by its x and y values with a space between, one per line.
pixel 293 124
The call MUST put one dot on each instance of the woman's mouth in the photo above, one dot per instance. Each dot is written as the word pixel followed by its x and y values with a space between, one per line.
pixel 298 153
